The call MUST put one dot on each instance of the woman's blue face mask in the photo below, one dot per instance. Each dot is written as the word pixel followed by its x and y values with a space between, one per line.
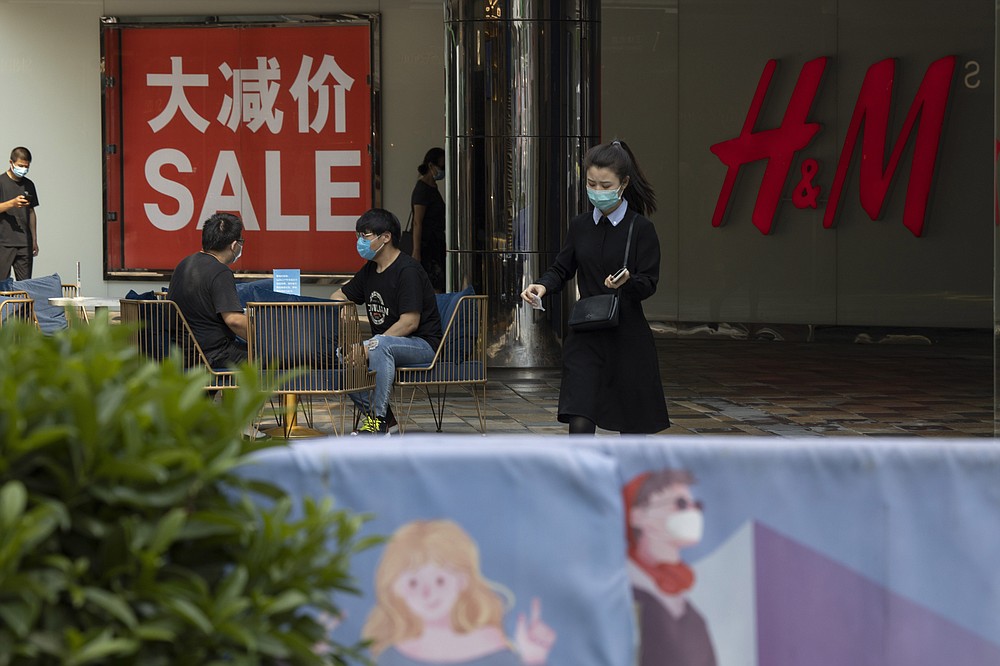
pixel 603 199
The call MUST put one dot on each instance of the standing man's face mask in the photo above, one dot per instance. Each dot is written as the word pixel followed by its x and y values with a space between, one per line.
pixel 19 171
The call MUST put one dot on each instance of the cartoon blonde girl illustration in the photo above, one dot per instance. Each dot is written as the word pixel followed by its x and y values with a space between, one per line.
pixel 434 607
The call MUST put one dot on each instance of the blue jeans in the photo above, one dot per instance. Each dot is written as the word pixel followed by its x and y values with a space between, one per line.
pixel 383 360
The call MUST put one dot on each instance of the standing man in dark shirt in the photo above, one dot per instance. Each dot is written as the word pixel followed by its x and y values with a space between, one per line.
pixel 204 288
pixel 402 311
pixel 18 200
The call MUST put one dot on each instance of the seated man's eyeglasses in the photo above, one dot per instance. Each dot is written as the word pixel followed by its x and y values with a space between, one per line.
pixel 366 234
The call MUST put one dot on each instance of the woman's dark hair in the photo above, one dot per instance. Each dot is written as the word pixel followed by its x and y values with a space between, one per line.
pixel 220 230
pixel 617 156
pixel 433 156
pixel 378 221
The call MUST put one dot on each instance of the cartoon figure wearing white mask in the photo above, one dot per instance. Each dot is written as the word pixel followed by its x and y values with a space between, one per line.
pixel 663 518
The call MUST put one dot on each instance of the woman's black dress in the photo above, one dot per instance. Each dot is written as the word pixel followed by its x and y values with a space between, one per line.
pixel 611 376
pixel 433 245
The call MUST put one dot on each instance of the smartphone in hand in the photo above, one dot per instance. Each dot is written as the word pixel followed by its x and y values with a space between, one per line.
pixel 619 275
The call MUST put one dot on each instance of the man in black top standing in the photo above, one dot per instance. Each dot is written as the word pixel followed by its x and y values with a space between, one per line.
pixel 18 200
pixel 402 311
pixel 204 288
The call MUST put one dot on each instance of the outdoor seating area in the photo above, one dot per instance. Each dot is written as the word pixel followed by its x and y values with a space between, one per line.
pixel 302 343
pixel 306 348
pixel 823 388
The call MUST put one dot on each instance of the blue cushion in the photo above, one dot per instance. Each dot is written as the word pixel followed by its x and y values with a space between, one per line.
pixel 469 371
pixel 50 317
pixel 463 336
pixel 313 380
pixel 133 295
pixel 446 304
pixel 306 337
pixel 262 291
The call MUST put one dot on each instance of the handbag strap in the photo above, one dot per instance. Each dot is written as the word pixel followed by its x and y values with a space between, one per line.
pixel 628 241
pixel 409 221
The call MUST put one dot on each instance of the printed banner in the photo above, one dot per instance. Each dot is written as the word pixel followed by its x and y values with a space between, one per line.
pixel 507 555
pixel 274 123
pixel 751 552
pixel 628 552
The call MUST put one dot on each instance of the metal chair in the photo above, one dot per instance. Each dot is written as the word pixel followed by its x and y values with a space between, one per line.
pixel 460 361
pixel 161 329
pixel 17 306
pixel 312 347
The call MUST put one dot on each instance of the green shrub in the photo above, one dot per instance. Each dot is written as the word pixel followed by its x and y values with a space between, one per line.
pixel 126 537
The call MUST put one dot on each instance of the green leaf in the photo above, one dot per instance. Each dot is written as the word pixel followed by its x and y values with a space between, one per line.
pixel 191 613
pixel 286 601
pixel 239 634
pixel 111 604
pixel 16 616
pixel 232 586
pixel 13 499
pixel 101 648
pixel 167 530
pixel 151 632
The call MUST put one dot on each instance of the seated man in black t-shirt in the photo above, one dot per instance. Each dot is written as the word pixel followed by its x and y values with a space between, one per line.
pixel 204 288
pixel 401 307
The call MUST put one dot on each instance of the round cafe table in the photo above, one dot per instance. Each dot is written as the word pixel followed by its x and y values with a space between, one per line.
pixel 99 304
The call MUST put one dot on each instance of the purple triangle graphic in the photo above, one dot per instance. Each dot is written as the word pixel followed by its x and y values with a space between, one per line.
pixel 812 611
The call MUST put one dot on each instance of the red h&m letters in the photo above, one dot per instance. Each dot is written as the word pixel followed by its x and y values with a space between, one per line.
pixel 869 121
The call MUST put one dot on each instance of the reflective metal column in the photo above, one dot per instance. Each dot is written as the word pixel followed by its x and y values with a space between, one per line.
pixel 522 109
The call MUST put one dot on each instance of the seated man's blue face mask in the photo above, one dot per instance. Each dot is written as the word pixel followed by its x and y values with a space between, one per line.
pixel 365 248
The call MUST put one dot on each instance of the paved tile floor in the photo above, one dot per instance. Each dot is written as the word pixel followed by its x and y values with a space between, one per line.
pixel 769 388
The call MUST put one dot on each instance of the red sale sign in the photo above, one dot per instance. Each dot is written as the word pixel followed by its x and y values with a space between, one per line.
pixel 272 123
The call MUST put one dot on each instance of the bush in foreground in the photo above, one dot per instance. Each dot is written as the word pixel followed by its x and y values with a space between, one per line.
pixel 125 535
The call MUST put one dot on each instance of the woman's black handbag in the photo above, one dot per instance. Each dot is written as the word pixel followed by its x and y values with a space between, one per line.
pixel 601 311
pixel 595 312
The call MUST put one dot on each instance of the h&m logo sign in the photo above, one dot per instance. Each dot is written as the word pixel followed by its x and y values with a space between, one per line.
pixel 869 122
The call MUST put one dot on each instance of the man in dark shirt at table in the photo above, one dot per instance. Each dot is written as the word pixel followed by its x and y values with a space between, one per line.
pixel 402 311
pixel 204 288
